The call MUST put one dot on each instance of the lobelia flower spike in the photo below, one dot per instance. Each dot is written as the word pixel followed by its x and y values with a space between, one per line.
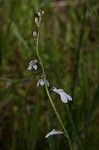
pixel 38 18
pixel 64 96
pixel 53 132
pixel 41 82
pixel 32 64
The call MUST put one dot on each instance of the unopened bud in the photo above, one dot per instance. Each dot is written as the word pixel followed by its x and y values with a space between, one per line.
pixel 37 21
pixel 40 13
pixel 35 35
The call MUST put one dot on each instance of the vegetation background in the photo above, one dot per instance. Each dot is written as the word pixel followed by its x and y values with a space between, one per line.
pixel 69 47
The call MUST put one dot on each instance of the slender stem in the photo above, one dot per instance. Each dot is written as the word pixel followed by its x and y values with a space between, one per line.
pixel 47 91
pixel 75 135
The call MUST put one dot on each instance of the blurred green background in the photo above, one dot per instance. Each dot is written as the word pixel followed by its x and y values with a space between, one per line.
pixel 69 47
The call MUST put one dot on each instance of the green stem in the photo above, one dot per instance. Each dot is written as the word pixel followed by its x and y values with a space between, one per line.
pixel 76 138
pixel 47 91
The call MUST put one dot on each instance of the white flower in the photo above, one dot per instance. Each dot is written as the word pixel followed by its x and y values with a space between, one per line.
pixel 53 132
pixel 64 96
pixel 32 64
pixel 41 82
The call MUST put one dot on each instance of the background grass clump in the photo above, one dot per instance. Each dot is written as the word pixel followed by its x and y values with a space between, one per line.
pixel 69 47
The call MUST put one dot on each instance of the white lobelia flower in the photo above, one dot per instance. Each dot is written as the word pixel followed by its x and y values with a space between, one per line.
pixel 32 64
pixel 53 132
pixel 64 96
pixel 41 82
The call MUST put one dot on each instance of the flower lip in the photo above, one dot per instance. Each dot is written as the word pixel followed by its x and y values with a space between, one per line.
pixel 53 132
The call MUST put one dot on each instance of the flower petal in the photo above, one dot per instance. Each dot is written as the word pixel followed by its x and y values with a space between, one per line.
pixel 60 90
pixel 41 82
pixel 29 67
pixel 68 97
pixel 35 67
pixel 53 132
pixel 63 97
pixel 57 90
pixel 38 83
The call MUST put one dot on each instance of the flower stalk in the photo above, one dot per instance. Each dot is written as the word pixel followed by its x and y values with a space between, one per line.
pixel 46 87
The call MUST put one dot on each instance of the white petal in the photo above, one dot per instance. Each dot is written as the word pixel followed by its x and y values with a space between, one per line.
pixel 57 90
pixel 38 83
pixel 35 67
pixel 60 90
pixel 41 82
pixel 63 97
pixel 29 67
pixel 52 133
pixel 68 97
pixel 30 63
